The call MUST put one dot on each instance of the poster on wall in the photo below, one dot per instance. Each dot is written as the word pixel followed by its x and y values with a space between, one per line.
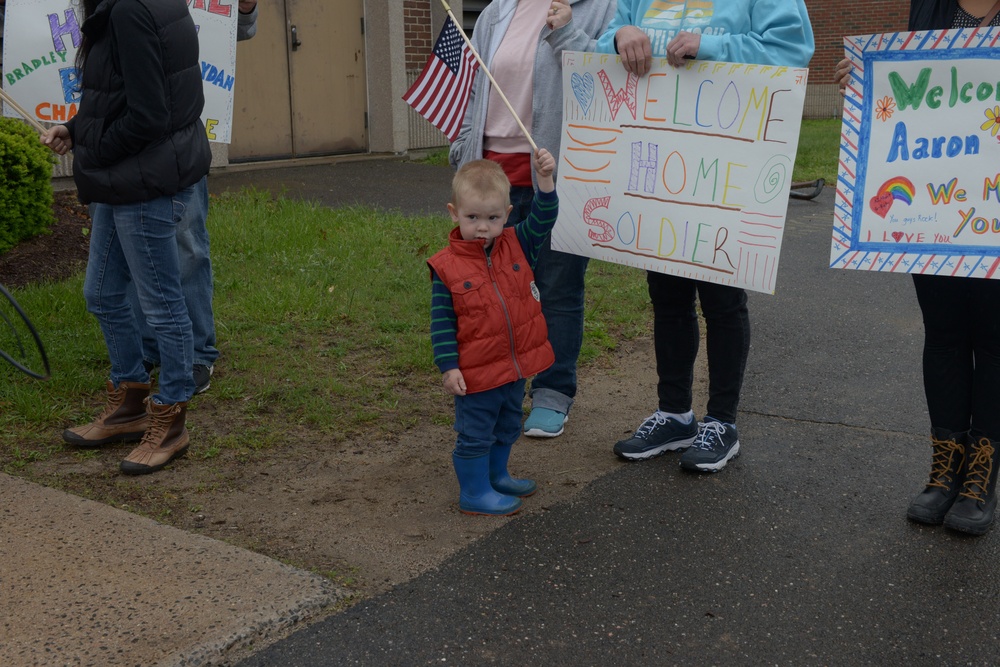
pixel 919 176
pixel 684 171
pixel 41 38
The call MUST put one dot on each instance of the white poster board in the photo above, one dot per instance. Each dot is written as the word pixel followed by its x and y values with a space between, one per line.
pixel 919 183
pixel 41 38
pixel 683 171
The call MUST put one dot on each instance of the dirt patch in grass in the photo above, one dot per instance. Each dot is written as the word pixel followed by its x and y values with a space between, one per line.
pixel 54 256
pixel 369 509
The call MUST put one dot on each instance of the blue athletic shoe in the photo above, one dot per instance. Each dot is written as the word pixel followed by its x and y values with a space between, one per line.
pixel 717 443
pixel 544 423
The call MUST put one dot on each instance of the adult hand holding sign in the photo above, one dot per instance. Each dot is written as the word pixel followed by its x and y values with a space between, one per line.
pixel 683 47
pixel 57 138
pixel 634 48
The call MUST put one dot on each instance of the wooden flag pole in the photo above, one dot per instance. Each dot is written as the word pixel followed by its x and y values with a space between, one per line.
pixel 24 114
pixel 483 67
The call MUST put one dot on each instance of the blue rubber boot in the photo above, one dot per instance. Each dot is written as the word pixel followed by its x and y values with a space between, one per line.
pixel 501 479
pixel 476 495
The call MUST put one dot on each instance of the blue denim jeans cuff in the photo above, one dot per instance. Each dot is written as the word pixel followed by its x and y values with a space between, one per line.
pixel 553 400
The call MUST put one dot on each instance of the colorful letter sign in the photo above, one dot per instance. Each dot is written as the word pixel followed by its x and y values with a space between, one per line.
pixel 919 186
pixel 41 38
pixel 683 171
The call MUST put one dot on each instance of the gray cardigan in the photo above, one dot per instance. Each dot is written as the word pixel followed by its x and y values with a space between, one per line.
pixel 246 24
pixel 590 18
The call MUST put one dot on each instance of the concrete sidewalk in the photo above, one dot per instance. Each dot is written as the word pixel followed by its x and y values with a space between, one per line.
pixel 82 583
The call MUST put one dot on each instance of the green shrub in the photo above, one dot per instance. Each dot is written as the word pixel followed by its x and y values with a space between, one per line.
pixel 25 183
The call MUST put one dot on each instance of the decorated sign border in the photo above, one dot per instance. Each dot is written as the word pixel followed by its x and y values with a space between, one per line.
pixel 849 250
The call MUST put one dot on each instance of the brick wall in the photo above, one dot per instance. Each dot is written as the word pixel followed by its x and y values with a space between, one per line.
pixel 833 19
pixel 417 32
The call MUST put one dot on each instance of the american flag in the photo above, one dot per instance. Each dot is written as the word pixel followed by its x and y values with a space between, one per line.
pixel 441 92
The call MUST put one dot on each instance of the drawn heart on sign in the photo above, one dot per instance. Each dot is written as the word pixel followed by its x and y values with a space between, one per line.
pixel 881 203
pixel 896 235
pixel 583 90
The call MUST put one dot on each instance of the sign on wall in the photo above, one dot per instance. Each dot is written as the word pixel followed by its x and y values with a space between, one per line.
pixel 919 185
pixel 683 171
pixel 41 38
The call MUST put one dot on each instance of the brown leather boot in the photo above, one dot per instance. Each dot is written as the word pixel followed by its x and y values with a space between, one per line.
pixel 123 419
pixel 164 440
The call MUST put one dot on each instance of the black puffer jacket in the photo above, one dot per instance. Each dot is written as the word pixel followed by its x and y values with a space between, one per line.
pixel 932 14
pixel 138 134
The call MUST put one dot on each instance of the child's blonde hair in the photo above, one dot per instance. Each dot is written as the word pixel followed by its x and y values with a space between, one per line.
pixel 480 178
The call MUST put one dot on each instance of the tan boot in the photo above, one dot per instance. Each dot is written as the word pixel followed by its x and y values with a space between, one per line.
pixel 165 439
pixel 123 419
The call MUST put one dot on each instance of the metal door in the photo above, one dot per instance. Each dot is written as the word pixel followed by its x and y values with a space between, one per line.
pixel 300 84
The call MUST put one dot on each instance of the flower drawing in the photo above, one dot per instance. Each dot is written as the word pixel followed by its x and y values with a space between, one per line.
pixel 992 121
pixel 884 108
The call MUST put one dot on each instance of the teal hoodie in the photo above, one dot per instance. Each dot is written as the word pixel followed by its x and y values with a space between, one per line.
pixel 764 32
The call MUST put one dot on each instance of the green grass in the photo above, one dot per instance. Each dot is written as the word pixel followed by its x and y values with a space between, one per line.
pixel 819 151
pixel 438 158
pixel 322 317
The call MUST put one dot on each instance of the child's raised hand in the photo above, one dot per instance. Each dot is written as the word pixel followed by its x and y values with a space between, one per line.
pixel 545 164
pixel 454 382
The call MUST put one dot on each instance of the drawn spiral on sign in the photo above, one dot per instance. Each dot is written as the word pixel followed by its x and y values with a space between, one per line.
pixel 772 179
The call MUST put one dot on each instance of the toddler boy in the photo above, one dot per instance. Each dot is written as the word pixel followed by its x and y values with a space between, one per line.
pixel 487 328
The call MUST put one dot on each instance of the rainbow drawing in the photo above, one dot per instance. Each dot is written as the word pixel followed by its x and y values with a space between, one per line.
pixel 898 188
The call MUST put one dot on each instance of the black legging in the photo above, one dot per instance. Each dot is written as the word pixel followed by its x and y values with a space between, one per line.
pixel 676 337
pixel 961 352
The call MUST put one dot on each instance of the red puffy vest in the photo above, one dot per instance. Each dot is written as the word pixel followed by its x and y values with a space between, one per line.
pixel 502 335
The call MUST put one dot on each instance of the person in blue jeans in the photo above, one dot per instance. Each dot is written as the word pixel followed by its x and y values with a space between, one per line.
pixel 140 156
pixel 766 32
pixel 522 41
pixel 196 263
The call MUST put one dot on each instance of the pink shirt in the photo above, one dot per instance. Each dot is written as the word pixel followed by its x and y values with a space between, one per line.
pixel 513 69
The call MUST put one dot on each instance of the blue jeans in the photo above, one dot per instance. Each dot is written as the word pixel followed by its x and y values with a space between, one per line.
pixel 196 283
pixel 676 338
pixel 136 243
pixel 560 280
pixel 521 197
pixel 486 418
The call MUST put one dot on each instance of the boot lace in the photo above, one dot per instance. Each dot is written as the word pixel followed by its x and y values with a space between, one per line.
pixel 654 420
pixel 977 479
pixel 709 435
pixel 116 398
pixel 159 423
pixel 942 469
